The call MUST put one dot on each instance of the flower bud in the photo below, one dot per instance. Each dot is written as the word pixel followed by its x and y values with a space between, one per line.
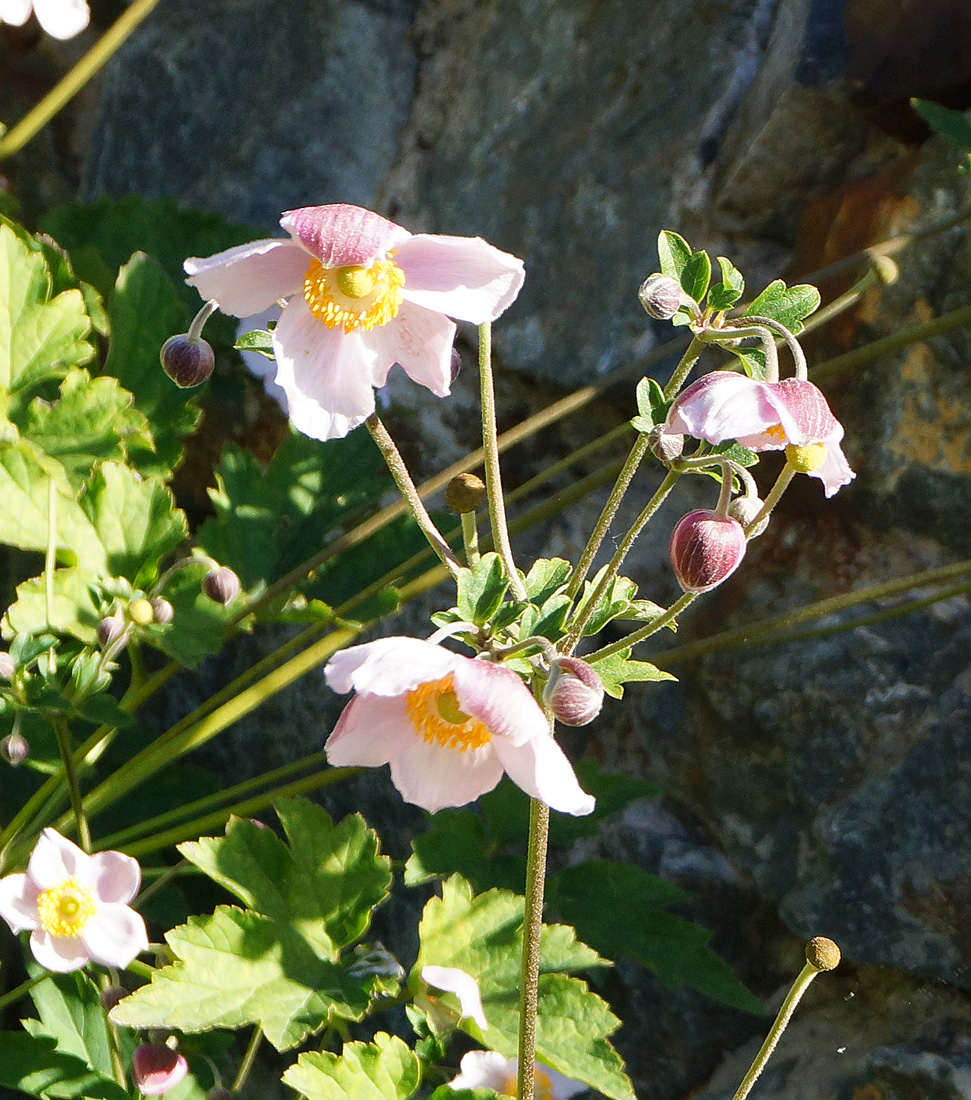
pixel 822 954
pixel 8 666
pixel 221 585
pixel 187 361
pixel 110 630
pixel 112 996
pixel 705 549
pixel 141 612
pixel 574 692
pixel 465 493
pixel 660 295
pixel 14 749
pixel 667 446
pixel 745 509
pixel 162 611
pixel 455 367
pixel 156 1068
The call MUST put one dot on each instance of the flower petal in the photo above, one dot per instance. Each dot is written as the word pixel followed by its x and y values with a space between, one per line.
pixel 542 771
pixel 436 778
pixel 464 986
pixel 500 700
pixel 18 902
pixel 62 18
pixel 61 954
pixel 15 12
pixel 325 373
pixel 55 859
pixel 371 731
pixel 722 405
pixel 114 935
pixel 812 418
pixel 835 471
pixel 117 876
pixel 249 278
pixel 485 1069
pixel 340 235
pixel 389 666
pixel 156 1068
pixel 421 342
pixel 464 277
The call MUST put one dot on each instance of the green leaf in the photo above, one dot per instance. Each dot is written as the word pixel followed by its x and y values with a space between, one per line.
pixel 481 589
pixel 92 421
pixel 787 305
pixel 752 361
pixel 953 125
pixel 31 1064
pixel 198 625
pixel 483 936
pixel 446 1092
pixel 258 340
pixel 696 276
pixel 73 609
pixel 613 603
pixel 545 577
pixel 651 405
pixel 384 1069
pixel 737 453
pixel 456 843
pixel 726 293
pixel 618 669
pixel 674 253
pixel 41 334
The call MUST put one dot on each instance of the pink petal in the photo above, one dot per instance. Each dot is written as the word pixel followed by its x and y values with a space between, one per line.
pixel 835 471
pixel 371 731
pixel 436 778
pixel 421 342
pixel 61 954
pixel 542 771
pixel 343 236
pixel 18 902
pixel 249 278
pixel 326 373
pixel 500 700
pixel 117 876
pixel 722 405
pixel 114 935
pixel 156 1068
pixel 389 666
pixel 62 18
pixel 812 418
pixel 55 859
pixel 464 986
pixel 464 277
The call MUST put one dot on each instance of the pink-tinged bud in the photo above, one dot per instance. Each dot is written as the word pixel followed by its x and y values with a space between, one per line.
pixel 8 666
pixel 660 295
pixel 575 692
pixel 705 549
pixel 110 630
pixel 667 446
pixel 162 611
pixel 187 361
pixel 221 585
pixel 14 749
pixel 156 1068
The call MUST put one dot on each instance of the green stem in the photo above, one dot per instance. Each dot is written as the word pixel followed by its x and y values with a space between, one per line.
pixel 163 880
pixel 72 82
pixel 71 776
pixel 141 969
pixel 539 821
pixel 683 369
pixel 493 477
pixel 775 495
pixel 599 533
pixel 114 1048
pixel 399 471
pixel 470 537
pixel 14 995
pixel 645 631
pixel 247 1063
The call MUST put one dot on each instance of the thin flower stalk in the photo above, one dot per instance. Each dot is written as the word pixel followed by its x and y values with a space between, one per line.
pixel 683 369
pixel 539 824
pixel 798 355
pixel 636 636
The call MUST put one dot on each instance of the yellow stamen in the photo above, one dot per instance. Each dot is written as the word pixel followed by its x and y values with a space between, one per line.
pixel 776 432
pixel 542 1085
pixel 354 297
pixel 806 459
pixel 65 909
pixel 433 709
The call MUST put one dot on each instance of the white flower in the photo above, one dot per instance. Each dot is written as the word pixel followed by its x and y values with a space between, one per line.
pixel 452 980
pixel 75 905
pixel 487 1069
pixel 60 18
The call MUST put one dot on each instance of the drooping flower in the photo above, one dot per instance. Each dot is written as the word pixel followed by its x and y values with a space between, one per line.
pixel 59 18
pixel 451 979
pixel 763 416
pixel 487 1069
pixel 363 294
pixel 75 905
pixel 448 725
pixel 156 1068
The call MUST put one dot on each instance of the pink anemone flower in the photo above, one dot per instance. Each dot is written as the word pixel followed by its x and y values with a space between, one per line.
pixel 448 725
pixel 363 294
pixel 156 1068
pixel 763 416
pixel 59 18
pixel 487 1069
pixel 75 905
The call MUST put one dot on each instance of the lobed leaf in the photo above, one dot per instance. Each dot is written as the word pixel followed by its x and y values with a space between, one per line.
pixel 384 1069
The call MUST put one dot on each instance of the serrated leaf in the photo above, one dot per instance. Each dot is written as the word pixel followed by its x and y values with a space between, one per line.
pixel 384 1069
pixel 198 624
pixel 674 252
pixel 325 884
pixel 618 669
pixel 953 125
pixel 73 609
pixel 456 844
pixel 651 405
pixel 726 293
pixel 752 361
pixel 612 603
pixel 737 453
pixel 787 305
pixel 42 335
pixel 481 589
pixel 70 1013
pixel 31 1064
pixel 545 576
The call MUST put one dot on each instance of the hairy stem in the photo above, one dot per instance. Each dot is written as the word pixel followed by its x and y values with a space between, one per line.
pixel 539 822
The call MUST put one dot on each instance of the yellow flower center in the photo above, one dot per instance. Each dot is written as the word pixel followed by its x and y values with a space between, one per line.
pixel 433 709
pixel 66 908
pixel 542 1087
pixel 804 460
pixel 776 432
pixel 354 297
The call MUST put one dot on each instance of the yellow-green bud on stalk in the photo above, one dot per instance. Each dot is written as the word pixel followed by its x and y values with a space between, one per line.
pixel 8 666
pixel 110 630
pixel 221 585
pixel 661 296
pixel 14 749
pixel 188 359
pixel 822 954
pixel 465 493
pixel 162 611
pixel 141 612
pixel 574 692
pixel 745 509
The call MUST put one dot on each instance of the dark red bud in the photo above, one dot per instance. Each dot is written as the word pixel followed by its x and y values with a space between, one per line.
pixel 221 585
pixel 705 549
pixel 575 692
pixel 157 1068
pixel 187 361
